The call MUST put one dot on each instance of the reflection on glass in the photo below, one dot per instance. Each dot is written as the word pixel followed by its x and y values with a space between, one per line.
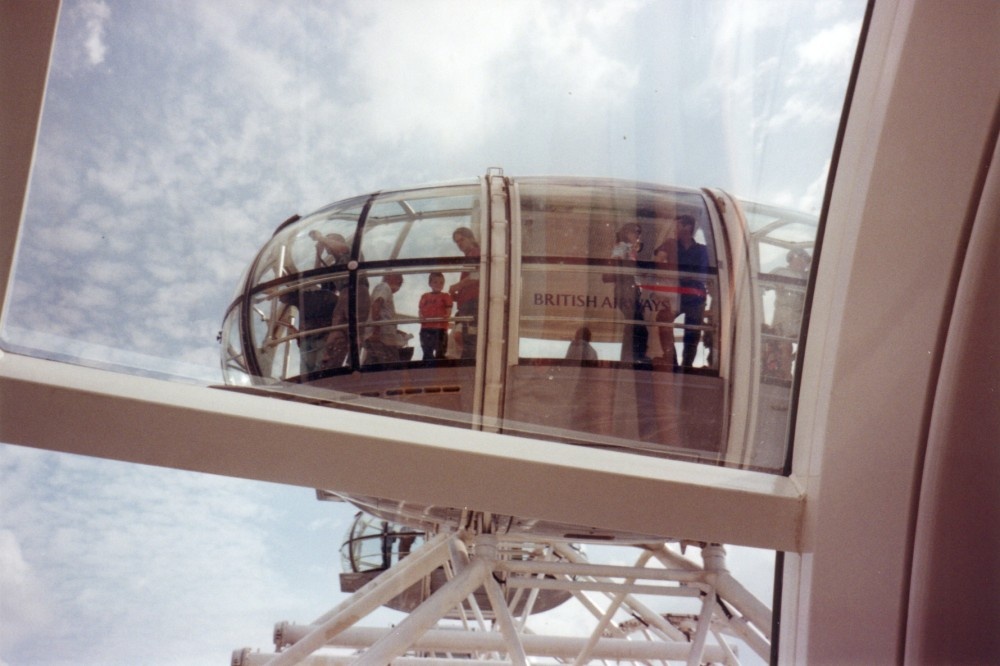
pixel 652 280
pixel 615 290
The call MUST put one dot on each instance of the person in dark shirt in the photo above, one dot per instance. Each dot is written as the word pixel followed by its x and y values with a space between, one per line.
pixel 692 262
pixel 335 250
pixel 318 303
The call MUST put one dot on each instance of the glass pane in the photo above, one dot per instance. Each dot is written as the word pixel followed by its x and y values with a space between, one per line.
pixel 302 299
pixel 319 320
pixel 419 223
pixel 427 315
pixel 562 219
pixel 579 376
pixel 656 271
pixel 272 330
pixel 557 321
pixel 321 241
pixel 384 338
pixel 606 341
pixel 353 330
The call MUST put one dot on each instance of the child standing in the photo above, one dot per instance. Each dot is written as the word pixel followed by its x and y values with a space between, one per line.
pixel 434 310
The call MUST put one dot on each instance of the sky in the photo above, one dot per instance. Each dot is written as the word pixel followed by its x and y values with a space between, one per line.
pixel 176 135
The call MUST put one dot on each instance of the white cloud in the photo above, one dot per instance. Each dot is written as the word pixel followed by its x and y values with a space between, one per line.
pixel 95 14
pixel 831 47
pixel 23 602
pixel 82 44
pixel 799 110
pixel 107 559
pixel 811 200
pixel 111 272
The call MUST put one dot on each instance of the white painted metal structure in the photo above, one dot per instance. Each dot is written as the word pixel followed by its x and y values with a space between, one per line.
pixel 890 517
pixel 495 634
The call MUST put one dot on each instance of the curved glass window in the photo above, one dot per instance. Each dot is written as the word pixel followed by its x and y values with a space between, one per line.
pixel 616 336
pixel 321 241
pixel 783 242
pixel 348 297
pixel 373 544
pixel 235 370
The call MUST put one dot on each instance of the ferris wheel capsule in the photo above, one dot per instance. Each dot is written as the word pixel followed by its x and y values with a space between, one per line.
pixel 630 316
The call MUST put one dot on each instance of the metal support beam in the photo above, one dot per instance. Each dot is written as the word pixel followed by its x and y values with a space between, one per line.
pixel 554 647
pixel 155 422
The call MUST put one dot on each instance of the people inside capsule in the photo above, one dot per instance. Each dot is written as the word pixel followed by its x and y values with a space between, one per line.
pixel 465 293
pixel 316 304
pixel 435 311
pixel 331 249
pixel 692 262
pixel 789 304
pixel 635 337
pixel 384 341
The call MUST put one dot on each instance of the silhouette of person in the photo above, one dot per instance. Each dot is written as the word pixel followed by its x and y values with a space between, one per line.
pixel 580 348
pixel 317 304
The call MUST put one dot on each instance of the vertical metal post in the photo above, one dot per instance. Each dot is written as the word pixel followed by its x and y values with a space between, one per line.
pixel 486 549
pixel 493 325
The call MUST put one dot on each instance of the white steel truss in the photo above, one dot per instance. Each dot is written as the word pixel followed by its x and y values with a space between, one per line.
pixel 481 614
